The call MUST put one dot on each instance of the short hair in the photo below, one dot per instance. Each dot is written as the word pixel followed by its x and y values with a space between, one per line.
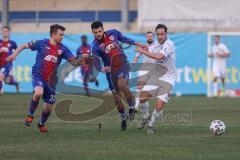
pixel 96 25
pixel 55 27
pixel 149 32
pixel 159 26
pixel 6 27
pixel 218 36
pixel 84 36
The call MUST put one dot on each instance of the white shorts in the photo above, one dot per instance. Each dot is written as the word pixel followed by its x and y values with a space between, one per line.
pixel 219 71
pixel 160 87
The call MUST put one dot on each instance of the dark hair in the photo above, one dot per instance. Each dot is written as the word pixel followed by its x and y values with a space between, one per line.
pixel 55 27
pixel 96 25
pixel 159 26
pixel 6 27
pixel 149 32
pixel 84 36
pixel 218 36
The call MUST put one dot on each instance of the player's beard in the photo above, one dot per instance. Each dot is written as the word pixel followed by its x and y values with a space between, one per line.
pixel 149 41
pixel 100 38
pixel 161 41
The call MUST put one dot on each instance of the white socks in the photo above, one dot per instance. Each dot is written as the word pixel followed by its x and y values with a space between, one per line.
pixel 145 110
pixel 137 99
pixel 156 116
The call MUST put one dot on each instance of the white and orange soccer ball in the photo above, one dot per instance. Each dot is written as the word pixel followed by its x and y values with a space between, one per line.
pixel 217 127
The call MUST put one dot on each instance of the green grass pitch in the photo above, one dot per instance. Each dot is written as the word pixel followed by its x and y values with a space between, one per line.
pixel 182 135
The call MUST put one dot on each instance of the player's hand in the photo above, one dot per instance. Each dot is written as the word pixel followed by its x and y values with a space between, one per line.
pixel 141 50
pixel 10 58
pixel 106 69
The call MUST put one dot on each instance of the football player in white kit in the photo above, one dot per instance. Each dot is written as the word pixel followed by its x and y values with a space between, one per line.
pixel 163 53
pixel 219 53
pixel 142 81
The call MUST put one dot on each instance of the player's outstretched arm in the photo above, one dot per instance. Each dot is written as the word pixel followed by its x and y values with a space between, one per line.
pixel 99 67
pixel 149 54
pixel 79 62
pixel 225 54
pixel 16 52
pixel 126 40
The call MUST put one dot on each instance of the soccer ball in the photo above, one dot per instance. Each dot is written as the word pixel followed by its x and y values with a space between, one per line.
pixel 217 127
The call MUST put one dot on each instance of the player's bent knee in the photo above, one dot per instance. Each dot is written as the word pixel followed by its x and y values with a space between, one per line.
pixel 140 87
pixel 145 96
pixel 38 92
pixel 7 79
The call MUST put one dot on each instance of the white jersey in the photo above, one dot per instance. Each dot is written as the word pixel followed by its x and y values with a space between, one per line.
pixel 169 60
pixel 219 61
pixel 146 59
pixel 168 78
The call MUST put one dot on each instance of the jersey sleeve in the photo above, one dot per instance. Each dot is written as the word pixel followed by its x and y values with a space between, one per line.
pixel 122 38
pixel 224 48
pixel 14 46
pixel 34 45
pixel 167 49
pixel 67 54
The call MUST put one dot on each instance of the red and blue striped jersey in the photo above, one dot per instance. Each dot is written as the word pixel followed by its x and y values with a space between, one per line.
pixel 48 57
pixel 84 49
pixel 8 47
pixel 110 50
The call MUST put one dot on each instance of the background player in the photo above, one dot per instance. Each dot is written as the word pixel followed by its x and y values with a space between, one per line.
pixel 141 81
pixel 164 55
pixel 7 47
pixel 50 53
pixel 86 70
pixel 219 53
pixel 107 47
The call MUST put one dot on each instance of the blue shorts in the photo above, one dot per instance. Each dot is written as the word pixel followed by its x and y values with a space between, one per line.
pixel 49 92
pixel 113 77
pixel 6 70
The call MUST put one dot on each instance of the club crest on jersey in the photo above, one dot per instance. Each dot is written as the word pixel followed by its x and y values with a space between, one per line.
pixel 59 52
pixel 9 44
pixel 51 58
pixel 111 38
pixel 110 47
